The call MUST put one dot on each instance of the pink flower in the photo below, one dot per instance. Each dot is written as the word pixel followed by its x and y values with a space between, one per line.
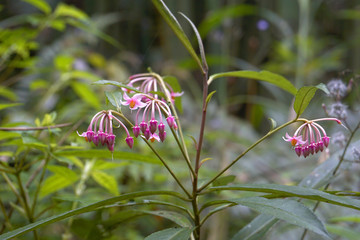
pixel 134 102
pixel 310 137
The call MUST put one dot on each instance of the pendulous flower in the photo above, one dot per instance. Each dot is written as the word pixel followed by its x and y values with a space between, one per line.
pixel 310 137
pixel 100 130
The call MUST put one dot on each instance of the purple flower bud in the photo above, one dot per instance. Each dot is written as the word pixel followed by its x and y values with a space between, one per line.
pixel 130 141
pixel 306 151
pixel 90 135
pixel 171 121
pixel 153 125
pixel 147 134
pixel 136 131
pixel 102 137
pixel 110 139
pixel 312 148
pixel 162 136
pixel 161 127
pixel 143 126
pixel 298 150
pixel 321 146
pixel 96 139
pixel 111 147
pixel 326 141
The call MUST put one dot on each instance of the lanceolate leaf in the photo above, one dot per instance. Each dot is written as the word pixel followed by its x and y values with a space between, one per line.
pixel 41 5
pixel 256 229
pixel 286 209
pixel 294 191
pixel 106 180
pixel 88 208
pixel 266 76
pixel 171 234
pixel 114 98
pixel 304 96
pixel 177 218
pixel 175 26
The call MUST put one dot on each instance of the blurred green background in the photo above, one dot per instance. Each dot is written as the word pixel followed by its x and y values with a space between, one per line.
pixel 51 57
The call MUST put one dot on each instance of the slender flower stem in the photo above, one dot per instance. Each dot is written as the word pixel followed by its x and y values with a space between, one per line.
pixel 247 150
pixel 336 169
pixel 157 154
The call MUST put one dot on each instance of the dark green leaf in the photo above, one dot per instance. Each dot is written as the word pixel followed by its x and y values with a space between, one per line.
pixel 173 82
pixel 295 191
pixel 91 207
pixel 171 234
pixel 304 96
pixel 200 43
pixel 114 98
pixel 256 229
pixel 266 76
pixel 177 218
pixel 224 180
pixel 99 153
pixel 175 26
pixel 288 210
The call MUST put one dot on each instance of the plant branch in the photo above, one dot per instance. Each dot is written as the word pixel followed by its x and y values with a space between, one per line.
pixel 247 150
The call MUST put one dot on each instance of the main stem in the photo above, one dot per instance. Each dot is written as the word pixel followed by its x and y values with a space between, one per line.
pixel 197 160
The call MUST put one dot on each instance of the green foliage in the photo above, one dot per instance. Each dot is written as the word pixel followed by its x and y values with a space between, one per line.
pixel 304 96
pixel 171 234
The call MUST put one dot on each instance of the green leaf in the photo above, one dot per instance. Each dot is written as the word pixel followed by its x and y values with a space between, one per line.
pixel 175 26
pixel 177 218
pixel 217 17
pixel 7 135
pixel 40 4
pixel 99 153
pixel 266 76
pixel 288 210
pixel 64 10
pixel 200 43
pixel 106 180
pixel 171 234
pixel 7 93
pixel 8 105
pixel 114 98
pixel 62 178
pixel 208 98
pixel 101 165
pixel 343 232
pixel 350 218
pixel 256 229
pixel 63 62
pixel 294 191
pixel 224 180
pixel 86 94
pixel 31 141
pixel 173 82
pixel 117 84
pixel 91 207
pixel 76 74
pixel 304 96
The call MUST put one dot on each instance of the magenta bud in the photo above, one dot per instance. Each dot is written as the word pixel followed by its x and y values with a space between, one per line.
pixel 326 141
pixel 306 151
pixel 136 130
pixel 312 148
pixel 161 127
pixel 153 125
pixel 96 139
pixel 143 126
pixel 317 148
pixel 102 137
pixel 130 141
pixel 90 135
pixel 110 147
pixel 298 150
pixel 321 146
pixel 162 136
pixel 110 139
pixel 171 121
pixel 147 134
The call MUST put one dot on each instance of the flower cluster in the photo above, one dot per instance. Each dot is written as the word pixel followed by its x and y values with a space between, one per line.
pixel 100 130
pixel 310 137
pixel 149 104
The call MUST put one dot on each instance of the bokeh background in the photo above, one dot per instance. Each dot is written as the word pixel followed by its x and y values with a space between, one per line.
pixel 51 57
